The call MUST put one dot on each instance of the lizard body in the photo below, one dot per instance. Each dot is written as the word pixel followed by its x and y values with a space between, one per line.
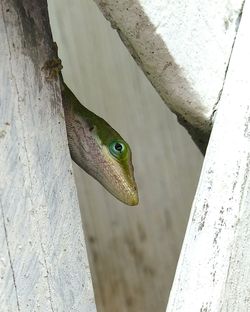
pixel 94 145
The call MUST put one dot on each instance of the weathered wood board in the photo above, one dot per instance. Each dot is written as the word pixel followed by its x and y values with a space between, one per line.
pixel 43 261
pixel 183 47
pixel 213 270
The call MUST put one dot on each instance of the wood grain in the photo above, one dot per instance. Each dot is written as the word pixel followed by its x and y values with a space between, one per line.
pixel 184 48
pixel 43 262
pixel 213 270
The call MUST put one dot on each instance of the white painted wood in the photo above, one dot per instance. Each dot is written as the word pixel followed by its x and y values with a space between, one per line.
pixel 213 270
pixel 183 47
pixel 43 261
pixel 133 250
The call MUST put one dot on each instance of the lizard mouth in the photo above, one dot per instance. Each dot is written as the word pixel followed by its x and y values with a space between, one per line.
pixel 129 196
pixel 120 186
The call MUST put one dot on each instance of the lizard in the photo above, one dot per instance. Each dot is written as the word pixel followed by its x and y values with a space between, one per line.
pixel 94 145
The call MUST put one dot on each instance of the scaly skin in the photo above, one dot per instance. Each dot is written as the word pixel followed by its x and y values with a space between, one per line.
pixel 98 149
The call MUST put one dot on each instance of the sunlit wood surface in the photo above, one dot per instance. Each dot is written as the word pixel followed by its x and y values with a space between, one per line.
pixel 215 257
pixel 43 257
pixel 132 250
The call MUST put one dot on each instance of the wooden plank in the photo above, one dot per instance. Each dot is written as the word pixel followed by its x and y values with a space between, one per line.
pixel 213 270
pixel 133 250
pixel 183 47
pixel 43 261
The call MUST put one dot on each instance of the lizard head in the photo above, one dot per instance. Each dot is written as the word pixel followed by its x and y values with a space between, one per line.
pixel 98 149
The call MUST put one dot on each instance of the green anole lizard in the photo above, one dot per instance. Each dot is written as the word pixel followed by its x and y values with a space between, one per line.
pixel 96 147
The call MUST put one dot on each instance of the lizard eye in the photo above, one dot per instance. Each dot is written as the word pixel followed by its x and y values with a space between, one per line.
pixel 118 149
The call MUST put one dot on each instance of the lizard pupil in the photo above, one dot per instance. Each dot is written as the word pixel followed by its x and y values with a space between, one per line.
pixel 118 147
